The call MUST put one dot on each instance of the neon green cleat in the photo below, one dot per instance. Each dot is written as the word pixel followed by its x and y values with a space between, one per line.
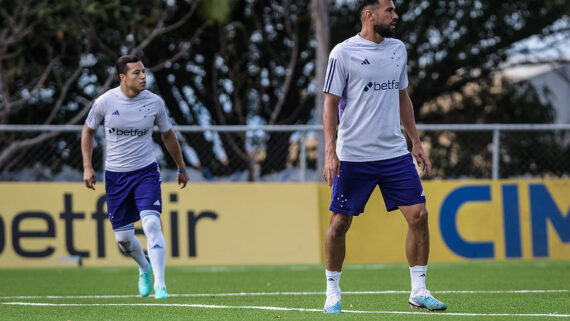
pixel 160 292
pixel 144 281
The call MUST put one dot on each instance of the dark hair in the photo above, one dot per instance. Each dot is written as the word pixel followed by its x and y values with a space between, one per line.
pixel 361 4
pixel 121 64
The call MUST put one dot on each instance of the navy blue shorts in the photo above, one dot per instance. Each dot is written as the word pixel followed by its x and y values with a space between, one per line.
pixel 130 193
pixel 397 178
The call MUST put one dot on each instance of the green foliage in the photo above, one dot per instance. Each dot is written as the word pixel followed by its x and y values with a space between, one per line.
pixel 217 10
pixel 469 154
pixel 452 43
pixel 454 47
pixel 237 67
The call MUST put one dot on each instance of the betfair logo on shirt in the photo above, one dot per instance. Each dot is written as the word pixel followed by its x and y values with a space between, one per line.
pixel 128 132
pixel 382 85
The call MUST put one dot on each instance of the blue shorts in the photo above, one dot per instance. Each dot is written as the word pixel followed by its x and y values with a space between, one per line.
pixel 397 178
pixel 130 193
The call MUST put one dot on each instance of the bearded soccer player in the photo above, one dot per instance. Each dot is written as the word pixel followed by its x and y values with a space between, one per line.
pixel 132 176
pixel 366 97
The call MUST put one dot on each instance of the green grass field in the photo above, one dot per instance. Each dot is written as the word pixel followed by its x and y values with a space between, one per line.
pixel 296 292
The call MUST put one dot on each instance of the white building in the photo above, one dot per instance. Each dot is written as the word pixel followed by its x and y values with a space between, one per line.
pixel 555 77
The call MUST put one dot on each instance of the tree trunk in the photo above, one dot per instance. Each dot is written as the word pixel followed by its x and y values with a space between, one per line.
pixel 320 17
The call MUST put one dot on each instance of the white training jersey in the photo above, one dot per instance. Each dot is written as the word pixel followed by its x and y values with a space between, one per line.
pixel 128 126
pixel 368 77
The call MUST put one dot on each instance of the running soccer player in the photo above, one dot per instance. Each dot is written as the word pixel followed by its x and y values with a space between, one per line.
pixel 132 177
pixel 365 94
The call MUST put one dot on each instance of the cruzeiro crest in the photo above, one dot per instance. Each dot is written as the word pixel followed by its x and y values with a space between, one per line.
pixel 396 59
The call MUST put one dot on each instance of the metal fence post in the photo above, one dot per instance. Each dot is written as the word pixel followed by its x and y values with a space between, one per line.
pixel 496 149
pixel 303 156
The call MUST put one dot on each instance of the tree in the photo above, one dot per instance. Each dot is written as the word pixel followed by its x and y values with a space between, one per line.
pixel 242 62
pixel 457 42
pixel 320 16
pixel 454 49
pixel 257 71
pixel 55 58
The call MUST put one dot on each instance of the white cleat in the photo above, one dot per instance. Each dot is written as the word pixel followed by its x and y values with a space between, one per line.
pixel 332 304
pixel 426 301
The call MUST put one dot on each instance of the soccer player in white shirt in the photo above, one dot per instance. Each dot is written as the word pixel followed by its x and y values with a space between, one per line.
pixel 365 94
pixel 132 178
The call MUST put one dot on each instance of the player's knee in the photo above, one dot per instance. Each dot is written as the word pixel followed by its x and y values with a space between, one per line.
pixel 420 218
pixel 151 227
pixel 423 216
pixel 339 227
pixel 124 244
pixel 151 224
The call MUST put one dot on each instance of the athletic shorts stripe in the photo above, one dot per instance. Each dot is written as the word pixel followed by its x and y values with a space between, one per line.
pixel 127 227
pixel 149 212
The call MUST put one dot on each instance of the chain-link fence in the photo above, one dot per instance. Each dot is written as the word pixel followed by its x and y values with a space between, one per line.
pixel 290 153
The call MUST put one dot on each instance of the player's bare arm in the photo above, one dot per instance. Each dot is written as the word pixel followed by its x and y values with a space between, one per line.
pixel 89 176
pixel 173 146
pixel 409 123
pixel 330 122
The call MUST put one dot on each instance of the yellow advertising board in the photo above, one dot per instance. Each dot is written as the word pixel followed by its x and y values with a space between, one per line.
pixel 503 219
pixel 47 224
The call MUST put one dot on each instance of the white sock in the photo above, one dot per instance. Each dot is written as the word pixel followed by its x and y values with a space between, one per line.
pixel 156 246
pixel 131 246
pixel 333 280
pixel 418 277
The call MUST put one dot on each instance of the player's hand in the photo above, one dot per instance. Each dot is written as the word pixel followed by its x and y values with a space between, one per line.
pixel 89 178
pixel 421 158
pixel 182 179
pixel 332 167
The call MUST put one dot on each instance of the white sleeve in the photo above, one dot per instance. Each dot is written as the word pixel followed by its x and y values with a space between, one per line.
pixel 337 73
pixel 96 114
pixel 404 75
pixel 162 120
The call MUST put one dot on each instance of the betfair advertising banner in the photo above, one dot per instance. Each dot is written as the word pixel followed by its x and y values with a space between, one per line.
pixel 50 224
pixel 46 224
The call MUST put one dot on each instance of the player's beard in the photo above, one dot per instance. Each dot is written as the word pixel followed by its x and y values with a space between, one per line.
pixel 385 31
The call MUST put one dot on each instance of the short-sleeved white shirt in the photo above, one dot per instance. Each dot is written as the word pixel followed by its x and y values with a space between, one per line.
pixel 128 126
pixel 368 77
